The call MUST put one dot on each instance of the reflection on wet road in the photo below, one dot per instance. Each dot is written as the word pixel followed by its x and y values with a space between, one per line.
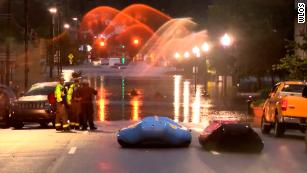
pixel 121 98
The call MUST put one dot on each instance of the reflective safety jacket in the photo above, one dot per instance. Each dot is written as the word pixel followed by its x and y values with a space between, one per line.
pixel 72 88
pixel 59 93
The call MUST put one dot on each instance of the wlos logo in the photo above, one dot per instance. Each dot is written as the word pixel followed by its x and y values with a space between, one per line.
pixel 301 13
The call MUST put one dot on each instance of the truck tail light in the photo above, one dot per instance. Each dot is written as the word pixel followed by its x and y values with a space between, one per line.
pixel 284 105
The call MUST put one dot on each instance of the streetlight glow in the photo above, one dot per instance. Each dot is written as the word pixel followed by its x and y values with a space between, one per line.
pixel 177 55
pixel 226 40
pixel 186 54
pixel 196 51
pixel 205 47
pixel 53 10
pixel 75 19
pixel 66 26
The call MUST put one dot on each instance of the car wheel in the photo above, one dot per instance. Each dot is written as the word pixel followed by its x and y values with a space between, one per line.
pixel 279 129
pixel 265 126
pixel 18 125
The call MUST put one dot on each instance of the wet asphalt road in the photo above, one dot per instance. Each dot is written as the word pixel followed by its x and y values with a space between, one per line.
pixel 35 150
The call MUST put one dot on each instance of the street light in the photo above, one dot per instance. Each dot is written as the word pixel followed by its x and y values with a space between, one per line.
pixel 196 51
pixel 66 26
pixel 186 54
pixel 177 55
pixel 205 47
pixel 226 40
pixel 53 10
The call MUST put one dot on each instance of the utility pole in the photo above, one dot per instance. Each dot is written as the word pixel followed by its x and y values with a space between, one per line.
pixel 26 43
pixel 8 39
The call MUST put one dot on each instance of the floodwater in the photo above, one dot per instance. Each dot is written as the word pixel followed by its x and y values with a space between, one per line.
pixel 132 98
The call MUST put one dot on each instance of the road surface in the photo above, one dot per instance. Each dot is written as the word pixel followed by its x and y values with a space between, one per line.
pixel 35 150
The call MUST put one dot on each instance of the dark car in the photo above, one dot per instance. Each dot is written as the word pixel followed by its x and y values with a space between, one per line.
pixel 7 96
pixel 230 136
pixel 36 105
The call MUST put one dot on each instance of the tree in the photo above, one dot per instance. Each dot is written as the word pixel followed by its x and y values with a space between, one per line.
pixel 293 66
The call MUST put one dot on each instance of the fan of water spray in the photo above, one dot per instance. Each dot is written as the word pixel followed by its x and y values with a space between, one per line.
pixel 176 35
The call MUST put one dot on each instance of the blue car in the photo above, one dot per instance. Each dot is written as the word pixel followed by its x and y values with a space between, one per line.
pixel 155 130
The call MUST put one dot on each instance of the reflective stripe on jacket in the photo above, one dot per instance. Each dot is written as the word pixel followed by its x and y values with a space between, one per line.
pixel 69 93
pixel 58 92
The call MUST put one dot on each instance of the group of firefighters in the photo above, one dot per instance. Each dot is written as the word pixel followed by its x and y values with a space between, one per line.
pixel 74 106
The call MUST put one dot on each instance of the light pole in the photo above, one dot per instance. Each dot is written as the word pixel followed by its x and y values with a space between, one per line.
pixel 66 26
pixel 205 48
pixel 53 12
pixel 226 41
pixel 76 21
pixel 26 43
pixel 196 52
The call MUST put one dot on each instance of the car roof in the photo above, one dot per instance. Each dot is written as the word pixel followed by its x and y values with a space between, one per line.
pixel 294 83
pixel 45 84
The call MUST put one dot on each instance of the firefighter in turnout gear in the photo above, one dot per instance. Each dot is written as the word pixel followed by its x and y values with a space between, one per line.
pixel 87 107
pixel 61 113
pixel 74 104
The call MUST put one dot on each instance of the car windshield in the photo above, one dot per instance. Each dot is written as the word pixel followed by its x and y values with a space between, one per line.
pixel 40 90
pixel 293 88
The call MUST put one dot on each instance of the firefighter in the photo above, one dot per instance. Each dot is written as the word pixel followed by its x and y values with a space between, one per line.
pixel 74 104
pixel 61 113
pixel 87 107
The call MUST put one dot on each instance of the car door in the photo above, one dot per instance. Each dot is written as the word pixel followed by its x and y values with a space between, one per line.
pixel 273 101
pixel 270 105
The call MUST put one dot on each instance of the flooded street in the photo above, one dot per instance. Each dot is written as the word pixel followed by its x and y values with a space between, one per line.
pixel 132 98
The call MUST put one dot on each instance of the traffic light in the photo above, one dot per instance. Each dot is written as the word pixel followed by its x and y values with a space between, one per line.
pixel 136 42
pixel 102 44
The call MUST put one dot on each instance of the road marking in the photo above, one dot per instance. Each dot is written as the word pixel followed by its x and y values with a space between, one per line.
pixel 215 153
pixel 72 150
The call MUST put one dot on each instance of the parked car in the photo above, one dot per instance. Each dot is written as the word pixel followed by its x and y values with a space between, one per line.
pixel 7 96
pixel 285 108
pixel 36 105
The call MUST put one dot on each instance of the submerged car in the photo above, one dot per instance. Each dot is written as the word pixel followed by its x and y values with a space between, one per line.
pixel 36 105
pixel 155 130
pixel 230 136
pixel 7 96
